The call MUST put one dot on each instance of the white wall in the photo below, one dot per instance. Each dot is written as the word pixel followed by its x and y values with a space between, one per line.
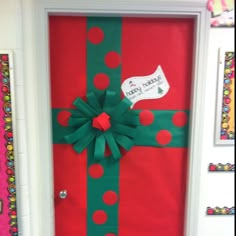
pixel 217 188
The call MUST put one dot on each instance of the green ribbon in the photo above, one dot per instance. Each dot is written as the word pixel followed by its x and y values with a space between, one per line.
pixel 121 133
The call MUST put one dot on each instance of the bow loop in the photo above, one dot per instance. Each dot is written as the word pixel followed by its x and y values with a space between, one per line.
pixel 104 121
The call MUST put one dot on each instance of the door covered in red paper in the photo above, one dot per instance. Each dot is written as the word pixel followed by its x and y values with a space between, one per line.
pixel 120 168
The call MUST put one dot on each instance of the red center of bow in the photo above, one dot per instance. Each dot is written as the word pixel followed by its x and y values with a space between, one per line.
pixel 102 122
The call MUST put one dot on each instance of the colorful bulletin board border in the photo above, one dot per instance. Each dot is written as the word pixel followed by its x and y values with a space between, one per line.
pixel 222 13
pixel 220 211
pixel 225 98
pixel 8 218
pixel 221 167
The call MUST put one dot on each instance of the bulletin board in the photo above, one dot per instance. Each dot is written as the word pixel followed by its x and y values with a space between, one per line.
pixel 8 217
pixel 225 113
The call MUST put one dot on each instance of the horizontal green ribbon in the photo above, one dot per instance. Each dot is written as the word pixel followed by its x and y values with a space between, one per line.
pixel 145 135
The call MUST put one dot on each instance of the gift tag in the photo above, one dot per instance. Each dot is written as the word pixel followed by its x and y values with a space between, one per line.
pixel 153 86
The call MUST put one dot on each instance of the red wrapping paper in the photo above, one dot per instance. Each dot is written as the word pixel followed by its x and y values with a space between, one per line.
pixel 152 192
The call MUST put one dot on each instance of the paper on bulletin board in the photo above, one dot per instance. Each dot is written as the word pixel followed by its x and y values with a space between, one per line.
pixel 225 130
pixel 222 13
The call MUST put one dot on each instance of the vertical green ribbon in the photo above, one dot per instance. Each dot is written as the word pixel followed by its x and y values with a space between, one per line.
pixel 109 181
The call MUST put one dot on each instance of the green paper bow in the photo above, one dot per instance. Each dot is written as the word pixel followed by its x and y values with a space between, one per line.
pixel 122 130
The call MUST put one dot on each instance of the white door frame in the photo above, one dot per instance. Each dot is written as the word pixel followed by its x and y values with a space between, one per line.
pixel 36 74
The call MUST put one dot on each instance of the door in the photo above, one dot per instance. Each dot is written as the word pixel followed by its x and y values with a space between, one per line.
pixel 120 169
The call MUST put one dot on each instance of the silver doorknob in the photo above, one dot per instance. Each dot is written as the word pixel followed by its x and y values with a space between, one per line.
pixel 63 194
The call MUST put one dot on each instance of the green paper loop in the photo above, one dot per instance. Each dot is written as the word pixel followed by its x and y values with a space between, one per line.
pixel 84 107
pixel 121 108
pixel 125 130
pixel 109 100
pixel 79 133
pixel 93 102
pixel 124 142
pixel 100 145
pixel 83 143
pixel 75 121
pixel 112 145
